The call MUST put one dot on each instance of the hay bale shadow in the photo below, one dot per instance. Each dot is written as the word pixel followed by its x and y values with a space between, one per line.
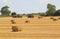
pixel 20 29
pixel 39 17
pixel 26 21
pixel 54 19
pixel 51 18
pixel 59 18
pixel 12 21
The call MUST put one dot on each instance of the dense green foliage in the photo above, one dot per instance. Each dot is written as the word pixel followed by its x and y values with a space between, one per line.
pixel 13 13
pixel 51 10
pixel 5 11
pixel 57 13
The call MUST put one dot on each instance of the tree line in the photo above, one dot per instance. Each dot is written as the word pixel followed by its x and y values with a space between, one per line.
pixel 50 12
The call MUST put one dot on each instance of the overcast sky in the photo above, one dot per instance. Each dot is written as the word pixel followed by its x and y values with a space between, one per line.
pixel 29 6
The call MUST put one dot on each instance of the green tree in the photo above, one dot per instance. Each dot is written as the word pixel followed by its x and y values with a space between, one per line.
pixel 13 13
pixel 5 11
pixel 30 15
pixel 51 10
pixel 57 13
pixel 42 14
pixel 19 16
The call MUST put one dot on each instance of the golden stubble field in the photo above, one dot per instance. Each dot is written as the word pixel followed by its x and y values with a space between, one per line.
pixel 43 28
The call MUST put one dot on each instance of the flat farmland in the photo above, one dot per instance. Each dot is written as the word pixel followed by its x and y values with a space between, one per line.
pixel 43 28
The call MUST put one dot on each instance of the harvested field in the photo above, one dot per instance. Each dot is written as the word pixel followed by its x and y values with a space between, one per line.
pixel 43 28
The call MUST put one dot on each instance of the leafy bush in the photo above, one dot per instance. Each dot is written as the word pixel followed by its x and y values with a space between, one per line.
pixel 14 15
pixel 19 16
pixel 30 16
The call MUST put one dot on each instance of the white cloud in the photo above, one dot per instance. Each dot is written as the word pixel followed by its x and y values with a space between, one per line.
pixel 6 1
